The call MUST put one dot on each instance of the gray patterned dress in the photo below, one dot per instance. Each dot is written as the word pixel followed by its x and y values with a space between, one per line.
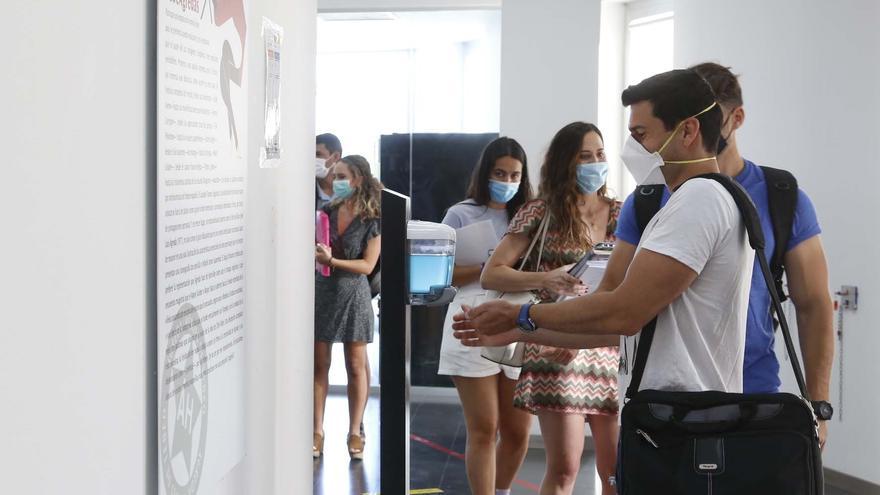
pixel 343 311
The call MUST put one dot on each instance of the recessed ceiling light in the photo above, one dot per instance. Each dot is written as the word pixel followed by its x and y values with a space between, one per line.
pixel 358 16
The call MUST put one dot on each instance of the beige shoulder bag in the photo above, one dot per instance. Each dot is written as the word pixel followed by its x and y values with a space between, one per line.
pixel 512 354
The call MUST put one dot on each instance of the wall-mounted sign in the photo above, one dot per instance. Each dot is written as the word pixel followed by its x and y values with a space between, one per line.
pixel 201 153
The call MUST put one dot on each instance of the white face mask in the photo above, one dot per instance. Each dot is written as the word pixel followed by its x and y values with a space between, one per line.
pixel 645 166
pixel 321 169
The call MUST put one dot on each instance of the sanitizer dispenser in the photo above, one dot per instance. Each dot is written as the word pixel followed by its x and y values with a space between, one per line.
pixel 430 260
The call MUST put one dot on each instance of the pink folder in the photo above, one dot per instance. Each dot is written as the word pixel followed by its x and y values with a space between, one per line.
pixel 322 235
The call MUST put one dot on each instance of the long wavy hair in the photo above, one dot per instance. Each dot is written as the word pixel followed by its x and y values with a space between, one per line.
pixel 478 190
pixel 365 199
pixel 559 186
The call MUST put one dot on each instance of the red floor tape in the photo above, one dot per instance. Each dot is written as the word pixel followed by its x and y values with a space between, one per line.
pixel 458 455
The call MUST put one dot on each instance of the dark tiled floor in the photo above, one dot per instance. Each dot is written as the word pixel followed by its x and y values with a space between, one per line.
pixel 435 455
pixel 334 473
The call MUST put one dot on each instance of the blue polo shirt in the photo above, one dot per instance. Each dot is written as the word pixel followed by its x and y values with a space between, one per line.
pixel 761 368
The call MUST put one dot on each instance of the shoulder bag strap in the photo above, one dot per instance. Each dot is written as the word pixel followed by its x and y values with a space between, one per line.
pixel 756 241
pixel 647 201
pixel 540 233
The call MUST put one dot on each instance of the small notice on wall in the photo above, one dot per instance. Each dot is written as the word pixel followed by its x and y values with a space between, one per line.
pixel 202 146
pixel 270 152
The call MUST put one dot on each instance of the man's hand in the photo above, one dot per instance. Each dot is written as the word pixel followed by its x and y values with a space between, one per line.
pixel 472 338
pixel 487 319
pixel 823 434
pixel 558 355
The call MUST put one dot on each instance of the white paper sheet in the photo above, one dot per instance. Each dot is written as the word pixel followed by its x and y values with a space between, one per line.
pixel 592 276
pixel 474 243
pixel 270 152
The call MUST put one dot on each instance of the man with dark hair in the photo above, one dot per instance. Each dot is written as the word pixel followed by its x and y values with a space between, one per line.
pixel 328 151
pixel 691 270
pixel 791 230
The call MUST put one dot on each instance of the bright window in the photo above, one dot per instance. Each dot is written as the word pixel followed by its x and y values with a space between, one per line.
pixel 649 47
pixel 649 51
pixel 402 72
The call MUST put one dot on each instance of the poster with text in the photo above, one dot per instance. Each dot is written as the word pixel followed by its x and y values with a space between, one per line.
pixel 201 181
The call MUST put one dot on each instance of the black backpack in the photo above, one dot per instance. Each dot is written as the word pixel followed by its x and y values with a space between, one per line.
pixel 782 195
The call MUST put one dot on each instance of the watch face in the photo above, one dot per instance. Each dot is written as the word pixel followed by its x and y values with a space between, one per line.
pixel 526 325
pixel 823 410
pixel 524 322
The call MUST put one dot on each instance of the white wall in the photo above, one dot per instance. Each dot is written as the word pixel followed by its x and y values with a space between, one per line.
pixel 280 263
pixel 295 266
pixel 810 83
pixel 77 298
pixel 549 77
pixel 75 250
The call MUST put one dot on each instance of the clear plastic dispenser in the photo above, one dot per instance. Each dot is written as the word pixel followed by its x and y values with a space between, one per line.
pixel 431 252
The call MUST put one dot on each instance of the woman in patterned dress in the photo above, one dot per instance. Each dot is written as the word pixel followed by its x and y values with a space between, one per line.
pixel 565 396
pixel 343 311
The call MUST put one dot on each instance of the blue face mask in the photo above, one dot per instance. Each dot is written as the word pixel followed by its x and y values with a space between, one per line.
pixel 591 176
pixel 502 192
pixel 342 189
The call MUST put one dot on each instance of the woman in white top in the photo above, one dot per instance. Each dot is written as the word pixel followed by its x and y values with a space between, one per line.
pixel 499 186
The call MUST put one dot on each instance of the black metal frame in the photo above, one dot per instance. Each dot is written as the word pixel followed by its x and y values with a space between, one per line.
pixel 394 350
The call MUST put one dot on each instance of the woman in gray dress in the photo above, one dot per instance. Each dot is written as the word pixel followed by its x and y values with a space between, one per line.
pixel 343 308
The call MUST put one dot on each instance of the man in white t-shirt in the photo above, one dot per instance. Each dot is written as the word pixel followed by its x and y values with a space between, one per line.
pixel 699 343
pixel 692 268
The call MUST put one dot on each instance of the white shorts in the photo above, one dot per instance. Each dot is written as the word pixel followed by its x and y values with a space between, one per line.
pixel 457 359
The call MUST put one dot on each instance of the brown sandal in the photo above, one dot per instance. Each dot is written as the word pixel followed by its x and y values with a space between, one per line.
pixel 317 445
pixel 356 447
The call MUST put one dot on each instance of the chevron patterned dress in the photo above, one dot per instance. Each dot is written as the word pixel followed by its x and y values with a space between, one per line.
pixel 588 384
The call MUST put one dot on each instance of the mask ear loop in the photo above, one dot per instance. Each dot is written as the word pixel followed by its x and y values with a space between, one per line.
pixel 729 116
pixel 680 162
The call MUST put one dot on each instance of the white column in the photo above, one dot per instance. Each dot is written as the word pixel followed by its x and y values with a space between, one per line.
pixel 549 70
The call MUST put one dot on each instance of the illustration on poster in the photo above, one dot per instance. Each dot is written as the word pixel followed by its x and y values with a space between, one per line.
pixel 223 11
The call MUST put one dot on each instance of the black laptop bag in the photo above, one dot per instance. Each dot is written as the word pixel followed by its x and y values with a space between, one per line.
pixel 720 443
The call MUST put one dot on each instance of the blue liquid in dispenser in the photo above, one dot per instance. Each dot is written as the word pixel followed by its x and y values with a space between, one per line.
pixel 429 270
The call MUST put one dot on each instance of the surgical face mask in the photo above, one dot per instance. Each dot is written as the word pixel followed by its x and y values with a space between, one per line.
pixel 342 188
pixel 321 169
pixel 645 166
pixel 502 192
pixel 591 176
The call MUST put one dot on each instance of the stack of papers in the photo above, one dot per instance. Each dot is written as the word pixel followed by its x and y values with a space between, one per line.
pixel 474 243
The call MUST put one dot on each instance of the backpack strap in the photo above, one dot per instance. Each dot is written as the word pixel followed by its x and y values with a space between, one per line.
pixel 782 195
pixel 757 242
pixel 647 202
